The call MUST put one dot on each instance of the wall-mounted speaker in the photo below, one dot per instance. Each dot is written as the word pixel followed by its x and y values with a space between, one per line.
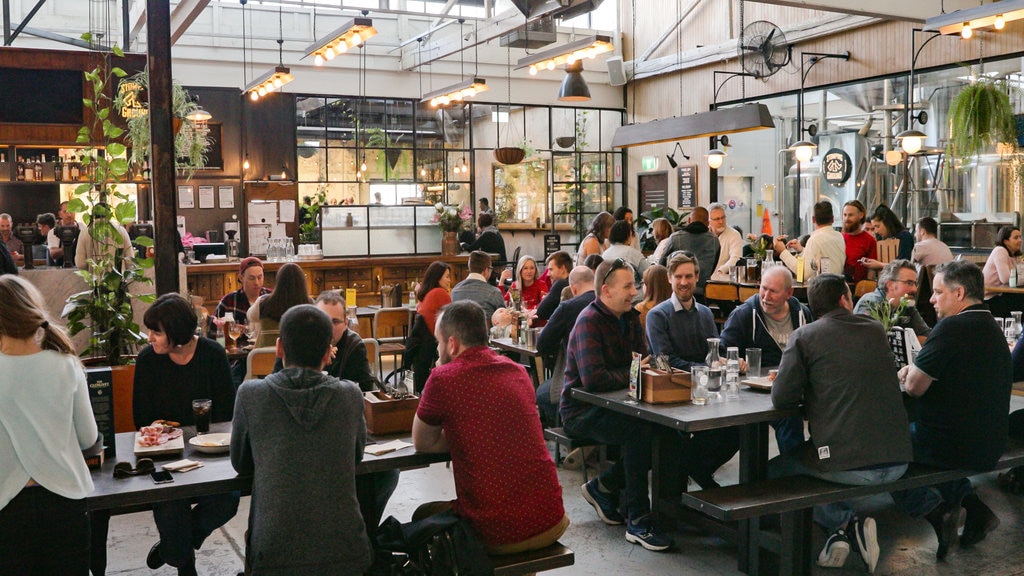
pixel 616 71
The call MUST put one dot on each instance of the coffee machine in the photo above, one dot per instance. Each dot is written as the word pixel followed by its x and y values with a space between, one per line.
pixel 231 246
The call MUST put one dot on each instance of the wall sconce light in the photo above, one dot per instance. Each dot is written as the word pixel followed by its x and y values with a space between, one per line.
pixel 588 47
pixel 672 157
pixel 804 150
pixel 715 158
pixel 911 140
pixel 269 82
pixel 352 34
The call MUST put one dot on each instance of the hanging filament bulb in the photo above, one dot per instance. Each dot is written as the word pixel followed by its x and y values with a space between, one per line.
pixel 318 60
pixel 533 69
pixel 423 172
pixel 362 167
pixel 254 96
pixel 1000 23
pixel 966 31
pixel 245 163
pixel 465 167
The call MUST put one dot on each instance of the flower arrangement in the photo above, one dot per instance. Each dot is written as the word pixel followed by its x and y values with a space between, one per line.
pixel 888 312
pixel 452 218
pixel 759 244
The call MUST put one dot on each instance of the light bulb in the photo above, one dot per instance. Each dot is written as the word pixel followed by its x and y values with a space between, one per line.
pixel 362 167
pixel 570 58
pixel 433 102
pixel 912 144
pixel 359 174
pixel 423 172
pixel 318 60
pixel 444 100
pixel 329 53
pixel 804 153
pixel 966 31
pixel 533 70
pixel 262 91
pixel 551 65
pixel 254 96
pixel 715 159
pixel 999 24
pixel 468 92
pixel 592 53
pixel 245 163
pixel 277 82
pixel 341 48
pixel 284 173
pixel 456 96
pixel 356 39
pixel 893 157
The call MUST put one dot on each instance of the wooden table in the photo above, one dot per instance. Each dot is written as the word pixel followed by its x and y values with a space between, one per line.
pixel 1004 290
pixel 741 291
pixel 530 355
pixel 751 413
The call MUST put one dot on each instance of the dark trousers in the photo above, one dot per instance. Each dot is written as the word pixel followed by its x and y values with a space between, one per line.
pixel 44 534
pixel 630 471
pixel 183 528
pixel 373 492
pixel 704 452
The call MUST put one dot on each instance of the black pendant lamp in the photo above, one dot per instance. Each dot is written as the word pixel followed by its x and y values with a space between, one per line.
pixel 574 87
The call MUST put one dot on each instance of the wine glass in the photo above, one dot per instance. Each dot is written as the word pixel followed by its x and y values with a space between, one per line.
pixel 235 330
pixel 250 333
pixel 515 295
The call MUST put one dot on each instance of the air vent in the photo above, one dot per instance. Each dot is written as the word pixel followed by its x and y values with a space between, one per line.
pixel 536 34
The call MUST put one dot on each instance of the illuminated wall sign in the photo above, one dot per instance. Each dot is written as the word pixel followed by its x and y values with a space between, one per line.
pixel 836 166
pixel 649 163
pixel 132 98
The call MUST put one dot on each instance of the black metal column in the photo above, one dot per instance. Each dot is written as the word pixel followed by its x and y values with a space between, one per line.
pixel 158 39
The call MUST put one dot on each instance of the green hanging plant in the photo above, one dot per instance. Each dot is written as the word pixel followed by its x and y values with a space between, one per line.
pixel 980 118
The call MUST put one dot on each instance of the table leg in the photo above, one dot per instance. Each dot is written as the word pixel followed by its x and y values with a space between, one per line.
pixel 753 467
pixel 667 479
pixel 99 525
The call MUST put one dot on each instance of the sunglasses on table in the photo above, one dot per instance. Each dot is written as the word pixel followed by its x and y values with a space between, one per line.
pixel 142 467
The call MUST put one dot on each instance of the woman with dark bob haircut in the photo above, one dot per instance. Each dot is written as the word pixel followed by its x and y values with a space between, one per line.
pixel 1001 262
pixel 265 314
pixel 433 293
pixel 176 368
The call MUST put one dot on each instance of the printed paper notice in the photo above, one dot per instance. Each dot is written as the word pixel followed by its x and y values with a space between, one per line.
pixel 206 197
pixel 227 196
pixel 186 198
pixel 262 212
pixel 286 211
pixel 258 236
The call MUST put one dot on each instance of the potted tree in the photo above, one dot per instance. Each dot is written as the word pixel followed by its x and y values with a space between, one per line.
pixel 191 138
pixel 105 307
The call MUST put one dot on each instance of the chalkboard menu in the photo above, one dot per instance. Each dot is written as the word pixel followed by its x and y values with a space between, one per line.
pixel 101 395
pixel 552 244
pixel 687 179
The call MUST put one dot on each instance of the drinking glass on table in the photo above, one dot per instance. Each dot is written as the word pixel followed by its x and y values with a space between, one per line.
pixel 699 385
pixel 235 331
pixel 753 362
pixel 201 414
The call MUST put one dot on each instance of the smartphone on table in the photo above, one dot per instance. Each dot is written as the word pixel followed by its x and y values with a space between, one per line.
pixel 162 477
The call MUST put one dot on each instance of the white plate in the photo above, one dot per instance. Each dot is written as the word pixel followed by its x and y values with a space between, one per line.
pixel 216 443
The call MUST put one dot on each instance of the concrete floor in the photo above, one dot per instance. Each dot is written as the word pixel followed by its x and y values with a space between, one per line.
pixel 908 546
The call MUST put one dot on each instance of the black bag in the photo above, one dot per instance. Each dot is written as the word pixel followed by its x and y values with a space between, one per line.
pixel 439 545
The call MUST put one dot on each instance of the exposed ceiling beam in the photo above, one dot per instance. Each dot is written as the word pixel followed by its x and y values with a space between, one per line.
pixel 57 37
pixel 808 30
pixel 501 24
pixel 657 44
pixel 183 15
pixel 9 39
pixel 915 11
pixel 136 20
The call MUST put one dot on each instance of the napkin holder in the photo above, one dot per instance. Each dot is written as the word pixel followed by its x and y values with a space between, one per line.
pixel 385 415
pixel 661 387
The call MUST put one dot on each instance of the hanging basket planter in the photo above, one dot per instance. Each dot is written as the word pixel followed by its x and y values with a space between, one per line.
pixel 565 141
pixel 509 155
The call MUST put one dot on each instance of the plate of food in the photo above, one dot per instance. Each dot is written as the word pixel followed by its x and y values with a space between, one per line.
pixel 160 437
pixel 216 443
pixel 762 383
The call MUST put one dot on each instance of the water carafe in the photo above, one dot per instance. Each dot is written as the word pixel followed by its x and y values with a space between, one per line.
pixel 714 363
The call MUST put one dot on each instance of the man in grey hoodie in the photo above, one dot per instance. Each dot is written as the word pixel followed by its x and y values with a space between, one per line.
pixel 306 430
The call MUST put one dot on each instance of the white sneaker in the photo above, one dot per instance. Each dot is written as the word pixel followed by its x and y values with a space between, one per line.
pixel 865 533
pixel 836 549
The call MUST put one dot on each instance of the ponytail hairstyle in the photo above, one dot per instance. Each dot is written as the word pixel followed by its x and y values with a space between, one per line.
pixel 23 316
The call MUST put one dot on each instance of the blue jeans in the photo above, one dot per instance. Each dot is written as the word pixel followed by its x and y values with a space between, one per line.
pixel 836 515
pixel 548 410
pixel 630 471
pixel 789 433
pixel 184 528
pixel 918 502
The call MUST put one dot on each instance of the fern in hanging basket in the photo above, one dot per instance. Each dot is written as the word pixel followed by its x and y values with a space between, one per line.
pixel 980 118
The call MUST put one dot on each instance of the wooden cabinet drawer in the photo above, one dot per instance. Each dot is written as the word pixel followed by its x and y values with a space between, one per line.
pixel 332 277
pixel 359 274
pixel 393 272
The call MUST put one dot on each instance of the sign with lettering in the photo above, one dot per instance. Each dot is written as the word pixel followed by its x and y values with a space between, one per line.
pixel 687 181
pixel 132 97
pixel 648 163
pixel 836 166
pixel 102 399
pixel 552 244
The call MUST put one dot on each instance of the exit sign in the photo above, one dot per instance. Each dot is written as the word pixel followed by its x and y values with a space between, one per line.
pixel 649 163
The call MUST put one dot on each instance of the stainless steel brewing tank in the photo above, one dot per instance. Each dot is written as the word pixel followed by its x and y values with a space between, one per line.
pixel 814 188
pixel 985 185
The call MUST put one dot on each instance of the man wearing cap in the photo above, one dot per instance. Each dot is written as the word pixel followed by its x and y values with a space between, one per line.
pixel 250 281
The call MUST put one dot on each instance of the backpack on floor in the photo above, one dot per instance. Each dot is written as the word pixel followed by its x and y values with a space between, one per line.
pixel 440 545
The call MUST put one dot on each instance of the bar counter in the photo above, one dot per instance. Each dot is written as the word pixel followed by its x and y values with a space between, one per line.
pixel 365 275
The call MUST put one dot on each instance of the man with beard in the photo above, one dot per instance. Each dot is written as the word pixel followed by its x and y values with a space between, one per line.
pixel 697 239
pixel 859 244
pixel 897 280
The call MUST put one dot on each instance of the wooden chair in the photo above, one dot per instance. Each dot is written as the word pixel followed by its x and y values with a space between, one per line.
pixel 888 249
pixel 260 362
pixel 372 347
pixel 721 291
pixel 391 328
pixel 864 287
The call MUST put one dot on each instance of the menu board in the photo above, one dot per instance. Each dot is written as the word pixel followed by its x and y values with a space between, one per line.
pixel 552 244
pixel 687 180
pixel 102 398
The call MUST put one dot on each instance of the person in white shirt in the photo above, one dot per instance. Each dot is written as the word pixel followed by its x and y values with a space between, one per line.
pixel 45 425
pixel 728 238
pixel 46 222
pixel 825 243
pixel 928 249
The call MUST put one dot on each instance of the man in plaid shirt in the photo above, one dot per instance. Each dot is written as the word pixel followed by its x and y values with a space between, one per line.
pixel 250 280
pixel 600 350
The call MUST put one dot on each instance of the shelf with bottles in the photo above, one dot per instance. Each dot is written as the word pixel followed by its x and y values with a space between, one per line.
pixel 53 164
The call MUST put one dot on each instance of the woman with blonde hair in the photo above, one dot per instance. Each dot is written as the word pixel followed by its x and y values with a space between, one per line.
pixel 46 423
pixel 656 291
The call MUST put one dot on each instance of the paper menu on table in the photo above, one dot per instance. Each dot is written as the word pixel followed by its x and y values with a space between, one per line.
pixel 378 449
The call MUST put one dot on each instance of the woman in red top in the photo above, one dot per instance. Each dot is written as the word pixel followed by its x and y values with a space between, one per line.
pixel 532 289
pixel 433 294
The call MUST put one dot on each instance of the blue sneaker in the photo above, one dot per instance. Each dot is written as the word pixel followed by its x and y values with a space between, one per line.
pixel 644 533
pixel 606 505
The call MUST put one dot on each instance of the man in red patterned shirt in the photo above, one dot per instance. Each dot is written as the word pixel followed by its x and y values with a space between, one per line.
pixel 481 407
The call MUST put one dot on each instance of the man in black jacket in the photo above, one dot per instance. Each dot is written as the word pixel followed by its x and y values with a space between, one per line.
pixel 697 239
pixel 552 338
pixel 489 240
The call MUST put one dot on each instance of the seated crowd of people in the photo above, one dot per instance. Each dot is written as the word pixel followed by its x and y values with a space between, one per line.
pixel 596 312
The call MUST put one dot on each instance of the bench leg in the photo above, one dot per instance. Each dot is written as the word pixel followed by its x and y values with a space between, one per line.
pixel 795 555
pixel 753 467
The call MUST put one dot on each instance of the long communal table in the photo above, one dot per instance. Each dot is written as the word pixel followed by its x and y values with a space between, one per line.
pixel 525 353
pixel 751 413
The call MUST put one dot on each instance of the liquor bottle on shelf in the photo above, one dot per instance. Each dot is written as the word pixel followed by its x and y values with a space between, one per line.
pixel 65 173
pixel 30 170
pixel 38 167
pixel 58 169
pixel 145 170
pixel 21 169
pixel 76 170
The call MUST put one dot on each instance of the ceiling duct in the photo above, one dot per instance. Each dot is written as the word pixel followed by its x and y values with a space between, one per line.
pixel 536 34
pixel 570 8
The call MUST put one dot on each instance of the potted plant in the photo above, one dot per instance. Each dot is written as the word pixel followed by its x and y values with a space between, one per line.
pixel 105 307
pixel 646 231
pixel 451 220
pixel 377 138
pixel 309 228
pixel 191 138
pixel 981 118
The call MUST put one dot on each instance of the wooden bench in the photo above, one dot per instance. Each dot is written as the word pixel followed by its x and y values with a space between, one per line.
pixel 560 438
pixel 794 497
pixel 533 561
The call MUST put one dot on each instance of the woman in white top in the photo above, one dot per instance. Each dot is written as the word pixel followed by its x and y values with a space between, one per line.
pixel 46 422
pixel 1001 261
pixel 596 239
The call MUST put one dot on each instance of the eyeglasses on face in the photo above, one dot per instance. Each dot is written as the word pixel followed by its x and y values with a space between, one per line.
pixel 124 469
pixel 617 264
pixel 911 283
